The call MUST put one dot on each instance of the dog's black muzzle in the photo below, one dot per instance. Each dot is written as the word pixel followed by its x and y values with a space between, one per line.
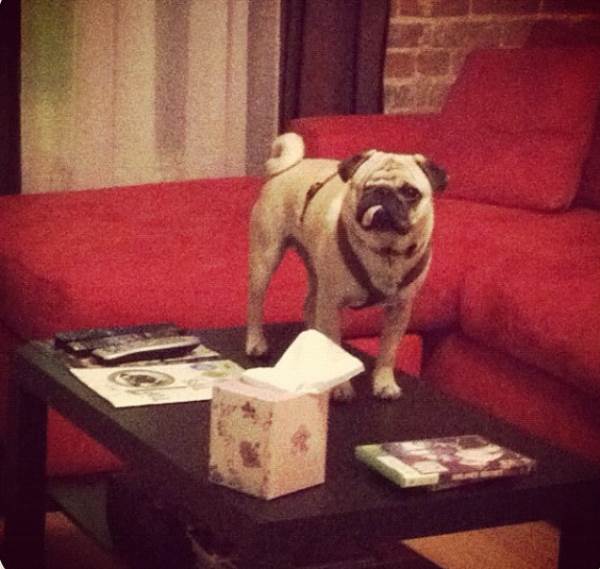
pixel 383 209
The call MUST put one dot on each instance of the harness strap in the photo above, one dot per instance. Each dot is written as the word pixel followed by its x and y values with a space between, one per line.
pixel 312 192
pixel 360 273
pixel 416 271
pixel 356 267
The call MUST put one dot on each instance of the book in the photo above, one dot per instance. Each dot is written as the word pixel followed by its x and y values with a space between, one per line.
pixel 444 462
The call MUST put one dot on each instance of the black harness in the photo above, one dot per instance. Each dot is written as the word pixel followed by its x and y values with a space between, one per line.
pixel 353 262
pixel 360 273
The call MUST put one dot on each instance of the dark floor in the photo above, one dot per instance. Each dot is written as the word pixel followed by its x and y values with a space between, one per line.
pixel 68 548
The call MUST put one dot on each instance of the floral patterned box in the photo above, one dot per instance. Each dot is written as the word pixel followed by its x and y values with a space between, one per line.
pixel 266 442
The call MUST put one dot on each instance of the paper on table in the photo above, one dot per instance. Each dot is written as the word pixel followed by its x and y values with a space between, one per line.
pixel 136 385
pixel 312 364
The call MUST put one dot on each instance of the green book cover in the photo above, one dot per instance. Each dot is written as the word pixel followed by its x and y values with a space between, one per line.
pixel 443 462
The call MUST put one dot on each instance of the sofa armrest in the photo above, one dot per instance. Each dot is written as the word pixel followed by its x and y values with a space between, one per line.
pixel 343 135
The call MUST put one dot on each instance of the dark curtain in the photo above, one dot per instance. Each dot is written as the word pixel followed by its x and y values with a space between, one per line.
pixel 10 83
pixel 333 57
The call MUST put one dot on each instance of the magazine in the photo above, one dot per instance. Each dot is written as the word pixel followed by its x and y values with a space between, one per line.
pixel 137 385
pixel 164 364
pixel 444 462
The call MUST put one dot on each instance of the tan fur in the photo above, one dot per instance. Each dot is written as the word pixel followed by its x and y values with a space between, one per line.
pixel 277 218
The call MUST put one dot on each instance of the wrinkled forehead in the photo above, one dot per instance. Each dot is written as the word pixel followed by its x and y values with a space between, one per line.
pixel 392 170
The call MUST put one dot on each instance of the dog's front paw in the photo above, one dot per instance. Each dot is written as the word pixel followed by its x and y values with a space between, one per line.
pixel 343 393
pixel 256 345
pixel 388 392
pixel 385 386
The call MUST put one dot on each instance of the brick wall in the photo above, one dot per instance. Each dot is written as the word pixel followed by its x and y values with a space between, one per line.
pixel 429 39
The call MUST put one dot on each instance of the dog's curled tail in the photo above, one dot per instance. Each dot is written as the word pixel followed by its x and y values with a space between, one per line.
pixel 287 150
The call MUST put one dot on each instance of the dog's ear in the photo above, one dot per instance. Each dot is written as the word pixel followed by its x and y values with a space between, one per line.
pixel 347 167
pixel 437 176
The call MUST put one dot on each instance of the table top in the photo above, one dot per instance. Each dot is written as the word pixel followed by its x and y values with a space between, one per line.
pixel 169 443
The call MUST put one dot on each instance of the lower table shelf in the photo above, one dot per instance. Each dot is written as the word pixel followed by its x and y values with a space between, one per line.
pixel 83 499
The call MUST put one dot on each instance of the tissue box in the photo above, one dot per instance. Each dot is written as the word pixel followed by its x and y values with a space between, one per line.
pixel 265 442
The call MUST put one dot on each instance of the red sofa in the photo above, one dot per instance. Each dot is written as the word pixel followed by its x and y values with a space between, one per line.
pixel 511 306
pixel 510 312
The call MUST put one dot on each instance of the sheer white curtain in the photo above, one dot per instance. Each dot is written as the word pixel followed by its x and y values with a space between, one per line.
pixel 133 91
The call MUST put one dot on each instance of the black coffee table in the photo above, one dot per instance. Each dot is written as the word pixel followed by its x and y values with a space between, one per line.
pixel 169 445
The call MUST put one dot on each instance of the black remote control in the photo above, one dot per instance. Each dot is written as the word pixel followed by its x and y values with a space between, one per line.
pixel 146 349
pixel 82 342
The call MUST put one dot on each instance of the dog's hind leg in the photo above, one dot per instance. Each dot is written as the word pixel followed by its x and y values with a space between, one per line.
pixel 264 256
pixel 327 316
pixel 310 302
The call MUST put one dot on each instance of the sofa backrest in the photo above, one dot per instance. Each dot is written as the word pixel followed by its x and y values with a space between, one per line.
pixel 589 193
pixel 583 34
pixel 517 125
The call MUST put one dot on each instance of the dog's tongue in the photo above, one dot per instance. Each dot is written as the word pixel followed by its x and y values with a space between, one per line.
pixel 369 216
pixel 378 217
pixel 381 210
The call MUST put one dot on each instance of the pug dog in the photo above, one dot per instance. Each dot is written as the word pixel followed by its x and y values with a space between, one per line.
pixel 363 228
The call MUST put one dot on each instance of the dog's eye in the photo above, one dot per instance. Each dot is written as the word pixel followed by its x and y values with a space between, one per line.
pixel 410 193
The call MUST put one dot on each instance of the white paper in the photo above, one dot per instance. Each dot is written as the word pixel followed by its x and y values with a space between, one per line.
pixel 137 385
pixel 312 364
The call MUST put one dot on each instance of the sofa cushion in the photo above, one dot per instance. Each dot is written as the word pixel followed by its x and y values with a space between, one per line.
pixel 517 392
pixel 342 136
pixel 516 125
pixel 161 252
pixel 165 252
pixel 590 182
pixel 569 33
pixel 520 281
pixel 544 313
pixel 535 292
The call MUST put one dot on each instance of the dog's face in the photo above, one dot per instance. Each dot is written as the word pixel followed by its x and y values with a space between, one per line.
pixel 391 191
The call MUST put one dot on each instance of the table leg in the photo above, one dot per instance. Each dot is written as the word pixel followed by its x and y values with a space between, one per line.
pixel 25 492
pixel 580 545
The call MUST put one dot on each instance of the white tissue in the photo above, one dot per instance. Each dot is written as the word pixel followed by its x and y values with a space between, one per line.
pixel 312 364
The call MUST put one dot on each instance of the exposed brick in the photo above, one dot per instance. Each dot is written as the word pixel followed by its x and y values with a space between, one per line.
pixel 428 51
pixel 433 62
pixel 515 33
pixel 457 60
pixel 450 7
pixel 466 34
pixel 407 8
pixel 571 6
pixel 587 31
pixel 405 34
pixel 563 30
pixel 428 8
pixel 431 94
pixel 505 6
pixel 399 98
pixel 400 64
